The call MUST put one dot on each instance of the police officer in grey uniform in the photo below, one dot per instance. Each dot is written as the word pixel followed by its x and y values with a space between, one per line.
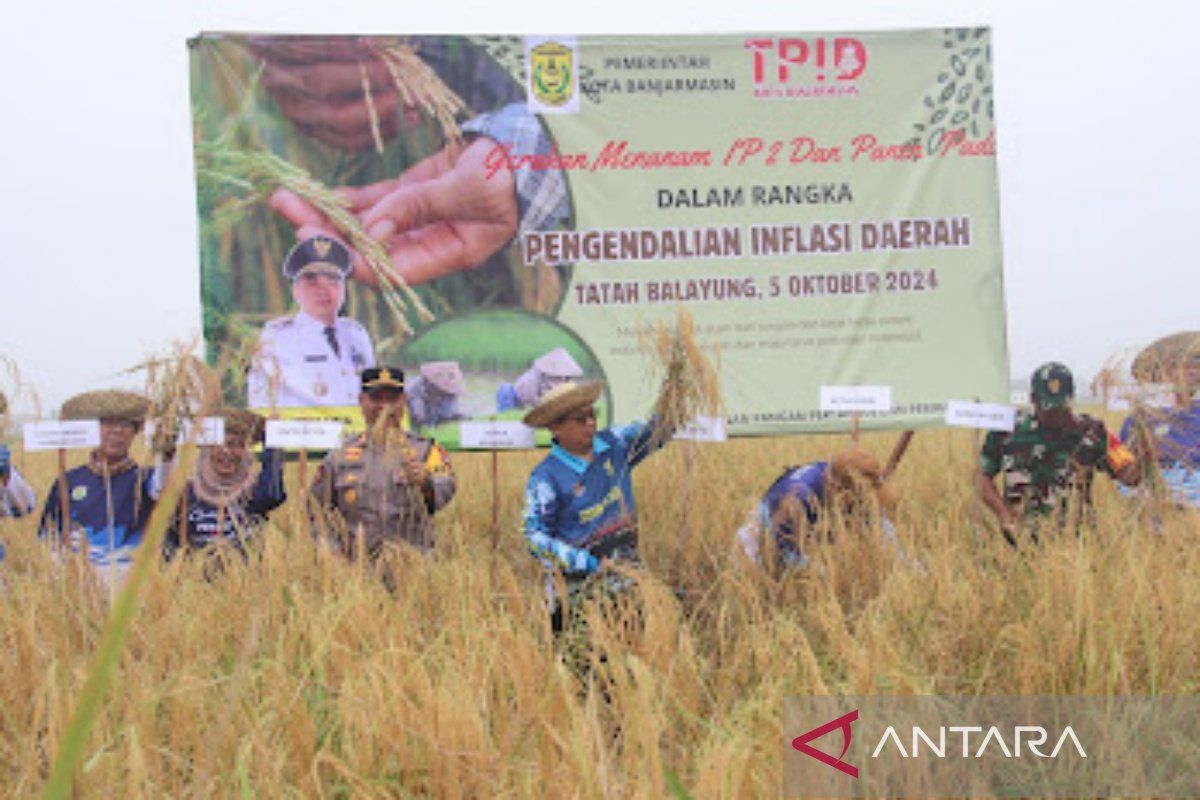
pixel 313 357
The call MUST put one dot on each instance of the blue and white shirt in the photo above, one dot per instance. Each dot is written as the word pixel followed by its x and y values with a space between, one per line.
pixel 109 548
pixel 1176 434
pixel 578 511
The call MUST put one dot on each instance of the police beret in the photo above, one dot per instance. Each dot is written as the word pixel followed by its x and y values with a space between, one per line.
pixel 382 378
pixel 317 253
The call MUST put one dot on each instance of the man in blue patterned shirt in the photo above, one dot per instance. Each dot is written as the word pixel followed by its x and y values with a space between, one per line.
pixel 580 513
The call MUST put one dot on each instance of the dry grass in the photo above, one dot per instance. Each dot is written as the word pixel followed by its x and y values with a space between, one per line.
pixel 299 675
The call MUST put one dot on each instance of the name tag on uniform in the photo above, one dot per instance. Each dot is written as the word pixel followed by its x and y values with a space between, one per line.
pixel 315 359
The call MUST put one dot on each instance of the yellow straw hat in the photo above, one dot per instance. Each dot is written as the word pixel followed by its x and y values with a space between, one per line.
pixel 562 400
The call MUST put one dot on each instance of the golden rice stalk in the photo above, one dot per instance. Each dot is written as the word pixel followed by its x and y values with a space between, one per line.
pixel 372 113
pixel 690 386
pixel 180 386
pixel 261 172
pixel 420 86
pixel 16 388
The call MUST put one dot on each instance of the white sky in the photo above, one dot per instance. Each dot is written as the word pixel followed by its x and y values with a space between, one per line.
pixel 1096 117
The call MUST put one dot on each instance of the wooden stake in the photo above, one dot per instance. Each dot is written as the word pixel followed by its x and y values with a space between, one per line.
pixel 304 490
pixel 898 452
pixel 495 500
pixel 854 427
pixel 64 506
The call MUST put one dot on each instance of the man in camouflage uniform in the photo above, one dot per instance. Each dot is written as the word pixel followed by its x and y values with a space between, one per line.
pixel 385 483
pixel 1049 457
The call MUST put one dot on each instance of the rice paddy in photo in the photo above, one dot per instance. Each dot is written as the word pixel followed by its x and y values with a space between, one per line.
pixel 298 675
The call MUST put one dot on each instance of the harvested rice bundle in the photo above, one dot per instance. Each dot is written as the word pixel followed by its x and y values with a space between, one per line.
pixel 419 86
pixel 107 404
pixel 261 173
pixel 690 386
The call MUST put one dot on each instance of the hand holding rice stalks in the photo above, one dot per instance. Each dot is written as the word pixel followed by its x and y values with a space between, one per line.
pixel 260 173
pixel 690 385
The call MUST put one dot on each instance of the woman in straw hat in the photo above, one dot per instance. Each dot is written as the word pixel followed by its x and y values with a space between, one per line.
pixel 1170 437
pixel 109 498
pixel 802 504
pixel 228 498
pixel 579 506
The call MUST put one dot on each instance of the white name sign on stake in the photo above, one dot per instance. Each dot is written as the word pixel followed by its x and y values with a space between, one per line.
pixel 211 431
pixel 499 435
pixel 303 434
pixel 856 398
pixel 989 416
pixel 64 435
pixel 703 429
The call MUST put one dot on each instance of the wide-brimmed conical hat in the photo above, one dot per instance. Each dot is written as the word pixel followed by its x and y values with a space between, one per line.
pixel 114 404
pixel 1157 361
pixel 562 400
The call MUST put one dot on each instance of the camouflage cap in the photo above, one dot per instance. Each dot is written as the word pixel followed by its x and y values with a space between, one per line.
pixel 446 376
pixel 319 254
pixel 558 363
pixel 1052 386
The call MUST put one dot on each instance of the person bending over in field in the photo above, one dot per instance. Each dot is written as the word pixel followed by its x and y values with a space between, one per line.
pixel 228 498
pixel 580 515
pixel 17 497
pixel 110 498
pixel 1050 457
pixel 806 504
pixel 385 483
pixel 1169 438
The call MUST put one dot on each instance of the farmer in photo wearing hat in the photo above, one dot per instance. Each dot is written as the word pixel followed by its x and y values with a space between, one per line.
pixel 1169 438
pixel 1050 456
pixel 109 499
pixel 800 508
pixel 384 483
pixel 433 394
pixel 229 497
pixel 547 371
pixel 313 357
pixel 580 513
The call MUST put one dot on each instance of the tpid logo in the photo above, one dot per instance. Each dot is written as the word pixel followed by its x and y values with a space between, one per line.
pixel 789 67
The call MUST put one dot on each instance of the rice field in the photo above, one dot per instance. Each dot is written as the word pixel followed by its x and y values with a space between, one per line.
pixel 298 675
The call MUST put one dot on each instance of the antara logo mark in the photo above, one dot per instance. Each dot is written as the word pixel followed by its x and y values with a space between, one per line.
pixel 843 722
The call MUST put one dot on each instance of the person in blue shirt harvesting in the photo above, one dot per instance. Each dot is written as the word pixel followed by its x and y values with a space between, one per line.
pixel 580 512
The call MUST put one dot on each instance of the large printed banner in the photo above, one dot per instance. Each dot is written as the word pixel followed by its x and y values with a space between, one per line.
pixel 516 209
